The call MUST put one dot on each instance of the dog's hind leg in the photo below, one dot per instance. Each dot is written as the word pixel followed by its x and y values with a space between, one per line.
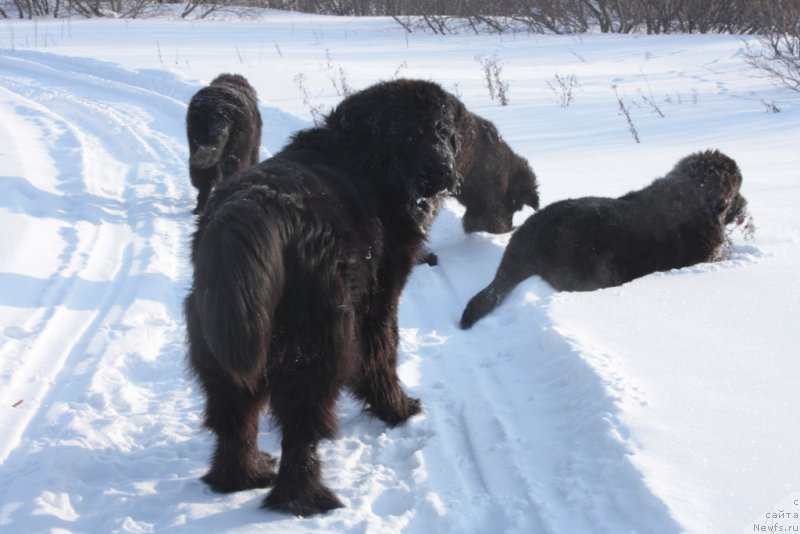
pixel 231 413
pixel 303 397
pixel 304 407
pixel 309 365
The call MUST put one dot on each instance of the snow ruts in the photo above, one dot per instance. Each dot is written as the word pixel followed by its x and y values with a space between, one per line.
pixel 525 430
pixel 99 356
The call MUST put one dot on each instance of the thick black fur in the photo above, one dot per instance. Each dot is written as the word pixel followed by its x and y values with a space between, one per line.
pixel 298 267
pixel 496 182
pixel 223 127
pixel 589 243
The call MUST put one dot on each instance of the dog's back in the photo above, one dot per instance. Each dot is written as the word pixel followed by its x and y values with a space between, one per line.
pixel 273 231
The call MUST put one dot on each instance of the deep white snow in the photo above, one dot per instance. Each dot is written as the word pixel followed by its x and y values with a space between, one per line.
pixel 668 404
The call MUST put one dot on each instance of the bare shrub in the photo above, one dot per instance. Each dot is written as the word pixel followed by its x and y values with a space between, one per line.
pixel 564 87
pixel 747 17
pixel 400 68
pixel 492 73
pixel 337 76
pixel 772 107
pixel 317 110
pixel 627 114
pixel 649 99
pixel 776 56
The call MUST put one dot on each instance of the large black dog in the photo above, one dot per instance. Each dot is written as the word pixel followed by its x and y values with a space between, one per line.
pixel 589 243
pixel 298 267
pixel 496 182
pixel 223 127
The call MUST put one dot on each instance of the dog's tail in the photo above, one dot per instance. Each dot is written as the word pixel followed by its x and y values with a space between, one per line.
pixel 239 278
pixel 510 273
pixel 206 156
pixel 481 305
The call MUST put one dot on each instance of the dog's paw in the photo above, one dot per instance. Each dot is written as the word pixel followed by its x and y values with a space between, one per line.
pixel 413 407
pixel 430 259
pixel 398 412
pixel 258 473
pixel 303 502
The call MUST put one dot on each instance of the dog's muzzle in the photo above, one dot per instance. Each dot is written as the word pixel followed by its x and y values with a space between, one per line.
pixel 440 175
pixel 737 210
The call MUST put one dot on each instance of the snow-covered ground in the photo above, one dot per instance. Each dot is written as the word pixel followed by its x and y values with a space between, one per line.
pixel 668 404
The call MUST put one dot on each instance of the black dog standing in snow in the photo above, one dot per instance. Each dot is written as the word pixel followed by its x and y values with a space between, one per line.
pixel 298 267
pixel 223 127
pixel 589 243
pixel 496 182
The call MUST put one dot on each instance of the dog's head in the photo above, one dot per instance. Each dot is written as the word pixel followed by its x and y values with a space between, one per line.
pixel 507 192
pixel 496 182
pixel 236 80
pixel 405 131
pixel 719 180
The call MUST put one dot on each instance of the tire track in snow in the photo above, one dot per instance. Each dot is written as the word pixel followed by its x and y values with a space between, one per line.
pixel 123 204
pixel 39 346
pixel 523 432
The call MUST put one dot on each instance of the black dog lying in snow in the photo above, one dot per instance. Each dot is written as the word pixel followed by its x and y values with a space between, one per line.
pixel 589 243
pixel 223 127
pixel 298 267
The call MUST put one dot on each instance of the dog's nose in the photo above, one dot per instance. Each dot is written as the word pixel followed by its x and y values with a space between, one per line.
pixel 442 168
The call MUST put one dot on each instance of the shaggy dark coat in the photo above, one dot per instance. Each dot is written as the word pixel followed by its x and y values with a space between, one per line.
pixel 223 126
pixel 298 267
pixel 496 182
pixel 590 243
